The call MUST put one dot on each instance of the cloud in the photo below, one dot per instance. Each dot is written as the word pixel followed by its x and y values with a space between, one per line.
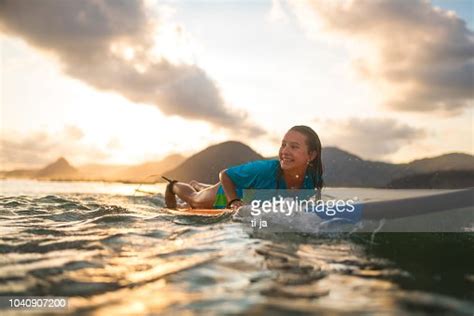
pixel 40 148
pixel 114 144
pixel 111 45
pixel 73 132
pixel 420 58
pixel 277 13
pixel 373 138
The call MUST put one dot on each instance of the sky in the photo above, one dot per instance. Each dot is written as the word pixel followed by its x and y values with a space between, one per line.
pixel 124 82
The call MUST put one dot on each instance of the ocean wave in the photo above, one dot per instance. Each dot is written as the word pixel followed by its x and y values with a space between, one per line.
pixel 111 253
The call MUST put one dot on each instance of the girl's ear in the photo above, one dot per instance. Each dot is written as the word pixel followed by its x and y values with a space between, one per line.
pixel 313 155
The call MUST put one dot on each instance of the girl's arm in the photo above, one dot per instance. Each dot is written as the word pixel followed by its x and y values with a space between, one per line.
pixel 229 189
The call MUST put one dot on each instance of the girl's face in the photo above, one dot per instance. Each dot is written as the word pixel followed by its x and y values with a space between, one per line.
pixel 293 152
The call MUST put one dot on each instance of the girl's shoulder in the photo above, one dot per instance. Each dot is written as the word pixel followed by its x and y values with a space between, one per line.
pixel 265 165
pixel 256 167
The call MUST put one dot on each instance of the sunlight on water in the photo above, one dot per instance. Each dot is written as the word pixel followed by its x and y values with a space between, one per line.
pixel 112 251
pixel 33 187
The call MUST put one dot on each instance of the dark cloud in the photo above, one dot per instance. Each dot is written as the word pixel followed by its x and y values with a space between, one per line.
pixel 420 57
pixel 109 45
pixel 373 138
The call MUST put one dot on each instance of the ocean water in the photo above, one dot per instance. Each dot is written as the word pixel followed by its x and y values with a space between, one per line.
pixel 114 251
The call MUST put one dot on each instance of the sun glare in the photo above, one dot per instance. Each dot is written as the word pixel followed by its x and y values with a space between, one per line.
pixel 123 50
pixel 174 44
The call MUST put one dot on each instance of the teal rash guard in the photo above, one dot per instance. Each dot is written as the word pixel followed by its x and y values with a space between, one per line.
pixel 260 174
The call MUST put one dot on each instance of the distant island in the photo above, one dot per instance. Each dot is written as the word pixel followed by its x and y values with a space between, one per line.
pixel 452 179
pixel 341 169
pixel 62 170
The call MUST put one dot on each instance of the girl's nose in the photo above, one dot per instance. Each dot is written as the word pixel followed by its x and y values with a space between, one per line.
pixel 284 149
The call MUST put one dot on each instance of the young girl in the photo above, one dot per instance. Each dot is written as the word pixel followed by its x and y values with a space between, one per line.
pixel 298 167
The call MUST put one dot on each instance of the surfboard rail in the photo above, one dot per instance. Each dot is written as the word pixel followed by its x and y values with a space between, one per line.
pixel 421 205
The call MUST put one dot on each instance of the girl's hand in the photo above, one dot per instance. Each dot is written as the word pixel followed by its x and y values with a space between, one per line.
pixel 235 205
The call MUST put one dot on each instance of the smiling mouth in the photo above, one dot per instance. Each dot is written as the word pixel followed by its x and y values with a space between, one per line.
pixel 286 160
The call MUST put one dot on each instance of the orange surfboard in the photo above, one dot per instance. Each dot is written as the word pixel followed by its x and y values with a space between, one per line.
pixel 198 212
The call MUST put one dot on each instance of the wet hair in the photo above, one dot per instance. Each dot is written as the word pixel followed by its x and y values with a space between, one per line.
pixel 315 166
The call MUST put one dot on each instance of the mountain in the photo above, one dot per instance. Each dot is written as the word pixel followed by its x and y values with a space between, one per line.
pixel 451 179
pixel 101 171
pixel 206 164
pixel 60 169
pixel 342 168
pixel 149 171
pixel 453 161
pixel 145 172
pixel 19 173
